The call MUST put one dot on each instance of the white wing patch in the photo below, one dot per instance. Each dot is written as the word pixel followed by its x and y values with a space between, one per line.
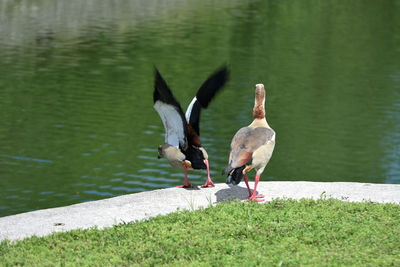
pixel 173 124
pixel 189 109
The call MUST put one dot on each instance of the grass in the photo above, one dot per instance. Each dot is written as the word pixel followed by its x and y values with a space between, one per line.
pixel 278 233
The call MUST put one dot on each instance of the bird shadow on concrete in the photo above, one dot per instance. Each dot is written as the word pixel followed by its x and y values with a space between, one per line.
pixel 194 187
pixel 234 192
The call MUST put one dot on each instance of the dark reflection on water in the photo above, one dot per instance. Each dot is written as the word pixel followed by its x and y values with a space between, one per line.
pixel 77 122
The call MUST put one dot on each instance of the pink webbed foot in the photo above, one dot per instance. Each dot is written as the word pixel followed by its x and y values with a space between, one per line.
pixel 186 184
pixel 256 197
pixel 208 183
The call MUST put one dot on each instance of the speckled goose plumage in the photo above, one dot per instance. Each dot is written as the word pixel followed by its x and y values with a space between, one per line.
pixel 182 147
pixel 253 143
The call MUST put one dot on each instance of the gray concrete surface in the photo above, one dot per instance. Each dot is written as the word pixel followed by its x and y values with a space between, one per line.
pixel 139 206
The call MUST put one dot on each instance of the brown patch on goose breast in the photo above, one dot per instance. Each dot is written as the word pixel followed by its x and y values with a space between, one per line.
pixel 192 136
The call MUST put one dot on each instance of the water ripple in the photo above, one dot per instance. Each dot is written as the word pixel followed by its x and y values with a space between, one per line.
pixel 26 158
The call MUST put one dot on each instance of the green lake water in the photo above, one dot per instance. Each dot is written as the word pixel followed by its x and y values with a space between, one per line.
pixel 76 79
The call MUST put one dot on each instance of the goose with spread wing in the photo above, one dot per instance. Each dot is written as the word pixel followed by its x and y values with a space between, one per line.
pixel 253 143
pixel 182 147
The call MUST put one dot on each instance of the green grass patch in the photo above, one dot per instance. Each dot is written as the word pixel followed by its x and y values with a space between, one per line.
pixel 281 232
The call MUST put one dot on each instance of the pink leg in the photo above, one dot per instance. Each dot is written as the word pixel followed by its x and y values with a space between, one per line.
pixel 247 184
pixel 254 196
pixel 208 182
pixel 186 184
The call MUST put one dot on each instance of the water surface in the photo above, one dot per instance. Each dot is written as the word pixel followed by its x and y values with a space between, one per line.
pixel 76 80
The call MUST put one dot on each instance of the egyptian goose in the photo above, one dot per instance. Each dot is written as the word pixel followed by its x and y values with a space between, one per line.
pixel 255 142
pixel 182 147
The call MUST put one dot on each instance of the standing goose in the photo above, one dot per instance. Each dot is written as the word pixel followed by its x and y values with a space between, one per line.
pixel 255 142
pixel 182 147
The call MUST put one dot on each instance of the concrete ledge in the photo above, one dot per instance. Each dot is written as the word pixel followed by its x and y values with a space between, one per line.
pixel 139 206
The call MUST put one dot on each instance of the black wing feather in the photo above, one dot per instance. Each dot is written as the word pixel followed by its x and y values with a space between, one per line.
pixel 235 176
pixel 164 94
pixel 206 93
pixel 211 86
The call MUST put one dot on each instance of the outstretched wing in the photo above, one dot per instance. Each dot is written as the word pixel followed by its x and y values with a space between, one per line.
pixel 204 95
pixel 170 112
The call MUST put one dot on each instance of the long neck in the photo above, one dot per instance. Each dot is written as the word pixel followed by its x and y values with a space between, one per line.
pixel 259 110
pixel 259 123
